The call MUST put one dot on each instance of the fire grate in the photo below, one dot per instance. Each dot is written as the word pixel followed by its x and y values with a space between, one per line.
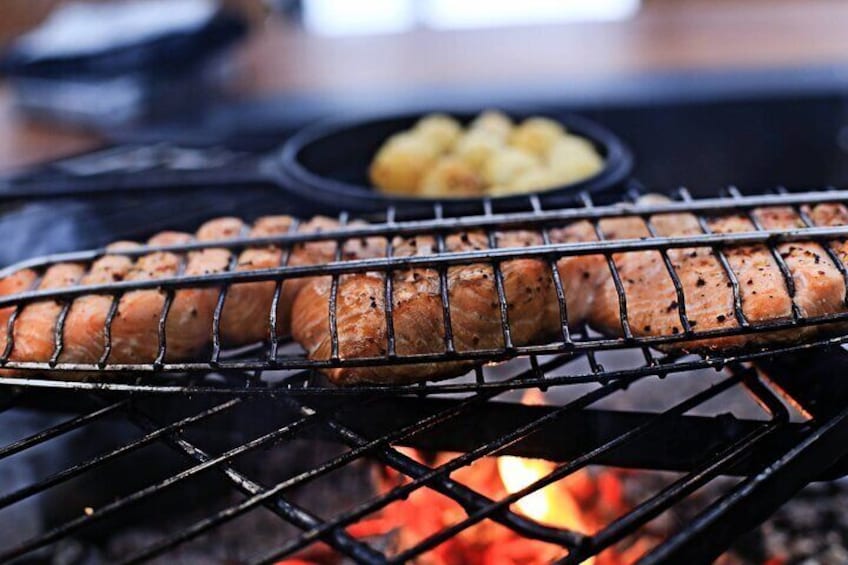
pixel 798 436
pixel 778 454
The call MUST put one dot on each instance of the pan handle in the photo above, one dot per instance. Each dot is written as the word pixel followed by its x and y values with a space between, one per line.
pixel 137 168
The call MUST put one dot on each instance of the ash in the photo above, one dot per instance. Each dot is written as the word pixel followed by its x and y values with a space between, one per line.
pixel 810 529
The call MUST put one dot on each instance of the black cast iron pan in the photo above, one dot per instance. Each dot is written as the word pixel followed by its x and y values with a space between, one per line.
pixel 323 167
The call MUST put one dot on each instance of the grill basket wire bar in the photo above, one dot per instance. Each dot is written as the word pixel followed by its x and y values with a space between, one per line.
pixel 450 347
pixel 536 204
pixel 388 293
pixel 831 253
pixel 633 195
pixel 219 307
pixel 616 276
pixel 107 331
pixel 788 280
pixel 675 280
pixel 503 304
pixel 441 260
pixel 163 317
pixel 334 296
pixel 505 221
pixel 685 196
pixel 274 340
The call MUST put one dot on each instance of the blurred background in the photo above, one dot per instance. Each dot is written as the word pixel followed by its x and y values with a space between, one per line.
pixel 172 112
pixel 74 74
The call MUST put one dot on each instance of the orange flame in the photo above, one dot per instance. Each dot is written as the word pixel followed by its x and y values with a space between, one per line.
pixel 552 505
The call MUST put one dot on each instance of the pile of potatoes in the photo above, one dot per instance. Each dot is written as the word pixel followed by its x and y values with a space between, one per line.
pixel 437 158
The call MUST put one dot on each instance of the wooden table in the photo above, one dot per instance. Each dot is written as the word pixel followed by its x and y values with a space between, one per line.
pixel 693 35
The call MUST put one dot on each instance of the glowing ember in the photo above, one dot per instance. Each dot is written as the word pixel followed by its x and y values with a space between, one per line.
pixel 583 502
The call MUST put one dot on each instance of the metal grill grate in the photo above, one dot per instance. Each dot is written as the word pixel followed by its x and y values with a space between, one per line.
pixel 771 448
pixel 776 452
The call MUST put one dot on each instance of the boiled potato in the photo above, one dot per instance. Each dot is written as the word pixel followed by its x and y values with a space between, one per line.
pixel 451 177
pixel 476 146
pixel 438 158
pixel 441 130
pixel 401 163
pixel 534 180
pixel 506 164
pixel 536 135
pixel 572 158
pixel 493 122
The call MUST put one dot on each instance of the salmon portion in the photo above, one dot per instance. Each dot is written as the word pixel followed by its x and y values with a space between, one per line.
pixel 34 336
pixel 831 215
pixel 85 324
pixel 17 282
pixel 135 329
pixel 647 286
pixel 247 304
pixel 189 323
pixel 134 332
pixel 652 302
pixel 533 311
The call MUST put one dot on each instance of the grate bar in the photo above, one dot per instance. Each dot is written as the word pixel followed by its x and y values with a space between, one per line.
pixel 345 458
pixel 562 470
pixel 755 498
pixel 62 428
pixel 288 511
pixel 75 524
pixel 492 221
pixel 683 487
pixel 80 468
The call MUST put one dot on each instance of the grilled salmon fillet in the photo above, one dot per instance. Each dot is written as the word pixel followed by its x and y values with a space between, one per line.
pixel 651 302
pixel 130 328
pixel 417 314
pixel 653 305
pixel 133 335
